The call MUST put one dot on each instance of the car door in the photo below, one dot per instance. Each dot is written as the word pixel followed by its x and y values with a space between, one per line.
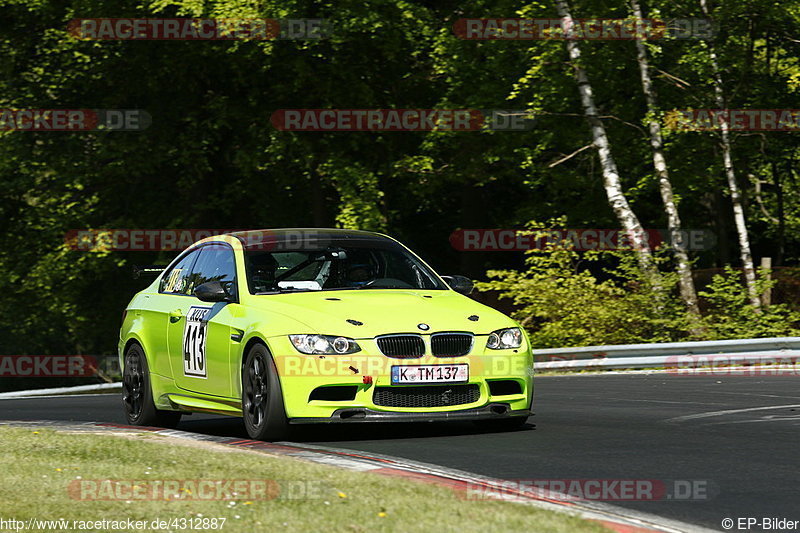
pixel 199 335
pixel 161 309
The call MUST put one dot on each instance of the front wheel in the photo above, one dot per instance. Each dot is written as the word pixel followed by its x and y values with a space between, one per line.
pixel 137 394
pixel 262 401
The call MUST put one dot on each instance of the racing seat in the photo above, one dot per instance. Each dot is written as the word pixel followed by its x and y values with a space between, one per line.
pixel 262 272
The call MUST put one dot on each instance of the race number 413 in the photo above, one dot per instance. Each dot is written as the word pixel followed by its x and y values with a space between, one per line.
pixel 194 342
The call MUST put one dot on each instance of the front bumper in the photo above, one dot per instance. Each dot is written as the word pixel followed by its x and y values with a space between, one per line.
pixel 494 411
pixel 300 375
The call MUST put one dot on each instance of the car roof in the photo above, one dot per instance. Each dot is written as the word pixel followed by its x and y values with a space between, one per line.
pixel 266 238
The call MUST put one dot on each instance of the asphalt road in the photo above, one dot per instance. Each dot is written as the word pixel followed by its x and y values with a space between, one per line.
pixel 736 437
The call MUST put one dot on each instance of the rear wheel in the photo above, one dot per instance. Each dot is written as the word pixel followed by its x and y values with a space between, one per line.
pixel 262 401
pixel 137 394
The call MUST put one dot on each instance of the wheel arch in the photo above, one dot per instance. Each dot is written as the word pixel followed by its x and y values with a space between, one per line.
pixel 132 339
pixel 254 339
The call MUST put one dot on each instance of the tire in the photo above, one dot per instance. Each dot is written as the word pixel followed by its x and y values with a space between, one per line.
pixel 262 400
pixel 504 424
pixel 137 395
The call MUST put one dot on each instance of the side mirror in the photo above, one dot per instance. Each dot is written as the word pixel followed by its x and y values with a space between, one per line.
pixel 459 284
pixel 212 291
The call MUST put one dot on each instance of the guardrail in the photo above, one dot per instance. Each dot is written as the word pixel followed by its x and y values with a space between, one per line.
pixel 736 351
pixel 63 391
pixel 618 356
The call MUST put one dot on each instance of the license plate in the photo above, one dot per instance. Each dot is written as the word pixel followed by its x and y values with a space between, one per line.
pixel 402 375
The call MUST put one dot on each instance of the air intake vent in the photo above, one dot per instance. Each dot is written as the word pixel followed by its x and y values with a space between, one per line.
pixel 504 387
pixel 426 396
pixel 336 393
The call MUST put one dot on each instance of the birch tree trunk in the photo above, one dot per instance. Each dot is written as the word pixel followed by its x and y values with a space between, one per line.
pixel 733 187
pixel 611 180
pixel 686 282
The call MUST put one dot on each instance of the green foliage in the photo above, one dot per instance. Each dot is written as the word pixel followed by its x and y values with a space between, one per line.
pixel 360 197
pixel 568 298
pixel 211 158
pixel 729 315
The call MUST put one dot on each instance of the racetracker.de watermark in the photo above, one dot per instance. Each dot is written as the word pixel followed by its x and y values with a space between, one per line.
pixel 167 240
pixel 510 240
pixel 768 365
pixel 632 490
pixel 186 29
pixel 47 366
pixel 74 120
pixel 197 489
pixel 596 29
pixel 363 368
pixel 141 240
pixel 458 120
pixel 736 119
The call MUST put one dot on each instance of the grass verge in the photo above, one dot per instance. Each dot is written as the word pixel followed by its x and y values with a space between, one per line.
pixel 50 475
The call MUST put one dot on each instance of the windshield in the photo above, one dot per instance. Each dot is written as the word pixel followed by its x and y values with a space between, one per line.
pixel 347 265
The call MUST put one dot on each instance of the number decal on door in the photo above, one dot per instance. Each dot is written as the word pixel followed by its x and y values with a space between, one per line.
pixel 194 342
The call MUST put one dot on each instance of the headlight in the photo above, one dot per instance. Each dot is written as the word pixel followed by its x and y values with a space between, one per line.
pixel 504 338
pixel 324 344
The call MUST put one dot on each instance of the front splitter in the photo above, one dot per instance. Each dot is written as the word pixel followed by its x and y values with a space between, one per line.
pixel 492 411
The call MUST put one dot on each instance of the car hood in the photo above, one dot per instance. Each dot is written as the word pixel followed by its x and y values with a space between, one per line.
pixel 367 313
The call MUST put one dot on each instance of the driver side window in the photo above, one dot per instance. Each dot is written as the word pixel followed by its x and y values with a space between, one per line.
pixel 216 263
pixel 178 279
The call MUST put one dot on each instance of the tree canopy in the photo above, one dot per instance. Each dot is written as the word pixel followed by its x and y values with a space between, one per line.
pixel 212 159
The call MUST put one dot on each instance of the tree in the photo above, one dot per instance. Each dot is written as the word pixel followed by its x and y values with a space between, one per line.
pixel 683 267
pixel 611 179
pixel 730 174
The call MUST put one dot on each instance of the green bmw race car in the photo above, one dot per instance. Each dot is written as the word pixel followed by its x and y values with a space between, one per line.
pixel 301 326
